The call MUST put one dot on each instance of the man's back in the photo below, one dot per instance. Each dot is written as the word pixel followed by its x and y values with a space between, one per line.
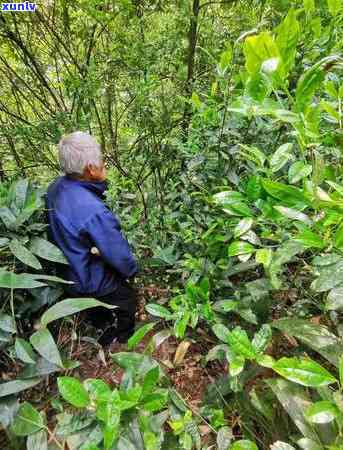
pixel 79 220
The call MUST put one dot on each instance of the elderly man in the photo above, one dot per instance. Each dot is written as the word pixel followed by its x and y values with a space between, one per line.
pixel 83 227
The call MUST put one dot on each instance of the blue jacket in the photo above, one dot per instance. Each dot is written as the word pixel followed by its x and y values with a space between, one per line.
pixel 79 220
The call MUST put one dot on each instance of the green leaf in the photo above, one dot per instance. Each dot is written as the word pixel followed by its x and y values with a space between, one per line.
pixel 289 194
pixel 293 214
pixel 71 306
pixel 236 365
pixel 18 193
pixel 44 344
pixel 27 421
pixel 7 323
pixel 334 6
pixel 242 227
pixel 24 351
pixel 224 438
pixel 303 371
pixel 317 337
pixel 46 250
pixel 97 389
pixel 225 60
pixel 156 401
pixel 339 237
pixel 73 391
pixel 244 445
pixel 137 337
pixel 24 255
pixel 13 387
pixel 181 323
pixel 334 300
pixel 240 344
pixel 281 446
pixel 138 363
pixel 257 49
pixel 309 6
pixel 159 311
pixel 322 412
pixel 310 81
pixel 264 256
pixel 340 367
pixel 150 380
pixel 8 218
pixel 37 441
pixel 262 338
pixel 11 280
pixel 298 171
pixel 294 399
pixel 240 248
pixel 309 239
pixel 221 332
pixel 329 278
pixel 281 157
pixel 288 33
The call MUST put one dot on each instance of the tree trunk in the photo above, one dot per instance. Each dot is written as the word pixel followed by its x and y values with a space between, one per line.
pixel 192 42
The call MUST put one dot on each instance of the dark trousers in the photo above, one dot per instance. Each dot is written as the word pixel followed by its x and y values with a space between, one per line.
pixel 117 323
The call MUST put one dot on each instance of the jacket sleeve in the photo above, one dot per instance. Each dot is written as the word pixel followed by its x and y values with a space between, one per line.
pixel 105 231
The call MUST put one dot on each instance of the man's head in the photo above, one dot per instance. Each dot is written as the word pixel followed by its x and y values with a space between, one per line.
pixel 80 156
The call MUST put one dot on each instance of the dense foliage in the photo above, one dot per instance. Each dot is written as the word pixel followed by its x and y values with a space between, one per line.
pixel 222 127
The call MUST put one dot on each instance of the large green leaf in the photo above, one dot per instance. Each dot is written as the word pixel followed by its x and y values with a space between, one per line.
pixel 322 412
pixel 298 171
pixel 18 193
pixel 278 445
pixel 293 214
pixel 281 157
pixel 71 306
pixel 309 239
pixel 288 194
pixel 139 335
pixel 310 81
pixel 138 363
pixel 334 300
pixel 11 280
pixel 24 255
pixel 24 351
pixel 46 250
pixel 262 338
pixel 329 277
pixel 240 248
pixel 73 391
pixel 159 311
pixel 242 227
pixel 258 49
pixel 7 323
pixel 240 343
pixel 13 387
pixel 334 6
pixel 221 332
pixel 295 401
pixel 27 421
pixel 8 218
pixel 244 445
pixel 317 337
pixel 44 344
pixel 37 441
pixel 303 371
pixel 288 33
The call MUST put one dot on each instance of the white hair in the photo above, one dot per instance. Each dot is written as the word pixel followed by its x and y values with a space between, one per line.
pixel 77 150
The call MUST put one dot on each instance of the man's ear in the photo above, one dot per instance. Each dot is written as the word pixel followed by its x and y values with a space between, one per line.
pixel 88 171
